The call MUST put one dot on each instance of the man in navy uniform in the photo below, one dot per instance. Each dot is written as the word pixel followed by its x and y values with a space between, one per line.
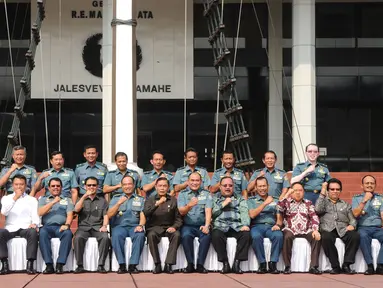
pixel 127 220
pixel 195 205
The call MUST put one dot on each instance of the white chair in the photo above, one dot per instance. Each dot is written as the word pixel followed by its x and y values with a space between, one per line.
pixel 91 256
pixel 55 244
pixel 17 254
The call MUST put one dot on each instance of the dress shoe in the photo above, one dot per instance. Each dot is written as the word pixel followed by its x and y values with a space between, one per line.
pixel 30 270
pixel 370 270
pixel 189 268
pixel 157 269
pixel 335 271
pixel 49 269
pixel 101 269
pixel 133 269
pixel 122 269
pixel 201 269
pixel 5 269
pixel 315 271
pixel 226 268
pixel 59 268
pixel 80 269
pixel 287 270
pixel 347 270
pixel 379 269
pixel 262 268
pixel 168 268
pixel 237 267
pixel 273 268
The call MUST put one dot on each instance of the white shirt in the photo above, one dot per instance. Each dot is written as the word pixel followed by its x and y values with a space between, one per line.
pixel 20 213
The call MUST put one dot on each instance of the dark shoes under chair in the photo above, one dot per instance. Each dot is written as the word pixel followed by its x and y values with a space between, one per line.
pixel 49 269
pixel 30 269
pixel 315 271
pixel 190 269
pixel 5 267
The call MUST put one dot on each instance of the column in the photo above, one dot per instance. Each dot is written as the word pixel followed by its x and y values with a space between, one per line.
pixel 303 77
pixel 119 81
pixel 275 49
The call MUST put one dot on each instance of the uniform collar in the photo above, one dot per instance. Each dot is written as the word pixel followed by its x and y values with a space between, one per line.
pixel 54 170
pixel 268 171
pixel 258 197
pixel 91 166
pixel 154 172
pixel 187 167
pixel 52 197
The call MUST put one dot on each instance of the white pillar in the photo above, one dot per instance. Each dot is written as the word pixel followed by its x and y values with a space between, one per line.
pixel 303 78
pixel 107 83
pixel 275 49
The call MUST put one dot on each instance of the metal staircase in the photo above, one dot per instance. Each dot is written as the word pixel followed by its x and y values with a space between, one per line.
pixel 25 83
pixel 239 137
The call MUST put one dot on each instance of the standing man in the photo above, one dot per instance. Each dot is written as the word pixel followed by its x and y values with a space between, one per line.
pixel 112 183
pixel 92 222
pixel 300 221
pixel 57 215
pixel 163 220
pixel 180 180
pixel 91 168
pixel 21 220
pixel 127 220
pixel 311 173
pixel 368 210
pixel 230 219
pixel 228 169
pixel 19 154
pixel 195 205
pixel 149 179
pixel 263 213
pixel 337 221
pixel 277 178
pixel 66 175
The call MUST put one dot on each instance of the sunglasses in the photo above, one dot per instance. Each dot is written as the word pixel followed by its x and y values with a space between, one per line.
pixel 91 185
pixel 55 186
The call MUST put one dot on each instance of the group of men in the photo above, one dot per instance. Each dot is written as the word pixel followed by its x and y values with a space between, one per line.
pixel 184 207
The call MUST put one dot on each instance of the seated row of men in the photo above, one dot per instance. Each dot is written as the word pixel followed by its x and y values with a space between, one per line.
pixel 311 174
pixel 194 214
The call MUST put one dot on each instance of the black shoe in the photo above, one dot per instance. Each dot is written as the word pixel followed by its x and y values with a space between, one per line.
pixel 226 268
pixel 237 267
pixel 273 268
pixel 5 269
pixel 101 269
pixel 157 269
pixel 201 269
pixel 379 269
pixel 370 270
pixel 49 269
pixel 30 270
pixel 347 270
pixel 80 269
pixel 262 268
pixel 315 271
pixel 287 270
pixel 335 271
pixel 133 269
pixel 168 268
pixel 122 269
pixel 59 268
pixel 189 268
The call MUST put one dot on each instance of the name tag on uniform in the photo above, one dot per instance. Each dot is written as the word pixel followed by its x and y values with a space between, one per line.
pixel 136 203
pixel 376 202
pixel 65 174
pixel 201 198
pixel 27 172
pixel 100 173
pixel 236 178
pixel 63 202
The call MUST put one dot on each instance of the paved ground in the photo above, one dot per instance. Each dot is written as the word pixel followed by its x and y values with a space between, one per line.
pixel 210 280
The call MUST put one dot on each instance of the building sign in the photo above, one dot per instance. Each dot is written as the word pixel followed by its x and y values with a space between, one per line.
pixel 72 68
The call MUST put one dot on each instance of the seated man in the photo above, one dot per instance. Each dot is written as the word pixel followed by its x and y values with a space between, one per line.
pixel 21 220
pixel 300 221
pixel 57 215
pixel 262 211
pixel 230 219
pixel 92 222
pixel 195 205
pixel 368 210
pixel 163 220
pixel 127 220
pixel 337 221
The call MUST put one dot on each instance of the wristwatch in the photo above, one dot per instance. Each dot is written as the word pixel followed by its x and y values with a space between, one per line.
pixel 68 225
pixel 364 201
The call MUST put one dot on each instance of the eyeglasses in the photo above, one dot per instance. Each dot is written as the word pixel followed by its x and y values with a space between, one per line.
pixel 334 189
pixel 227 185
pixel 54 186
pixel 91 185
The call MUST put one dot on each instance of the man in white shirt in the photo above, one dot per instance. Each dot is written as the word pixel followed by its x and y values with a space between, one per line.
pixel 22 220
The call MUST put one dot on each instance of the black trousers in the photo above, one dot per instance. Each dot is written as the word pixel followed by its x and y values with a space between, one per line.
pixel 154 236
pixel 219 240
pixel 80 240
pixel 351 240
pixel 29 234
